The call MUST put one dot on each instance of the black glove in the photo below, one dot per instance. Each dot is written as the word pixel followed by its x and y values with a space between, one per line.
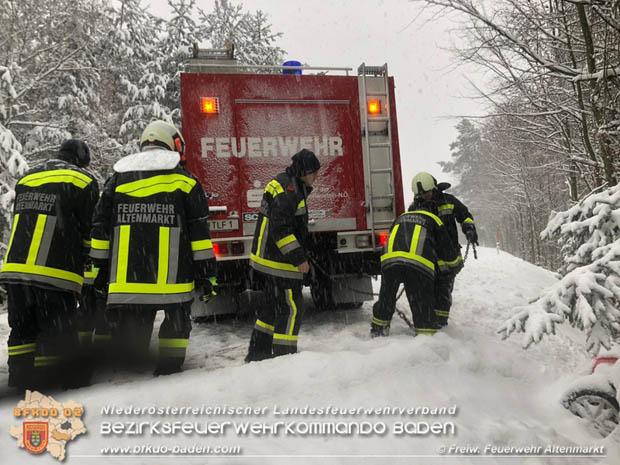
pixel 101 282
pixel 310 276
pixel 472 235
pixel 209 289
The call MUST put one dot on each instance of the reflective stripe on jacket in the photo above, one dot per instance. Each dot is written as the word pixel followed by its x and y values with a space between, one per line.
pixel 450 210
pixel 282 228
pixel 51 225
pixel 150 233
pixel 418 239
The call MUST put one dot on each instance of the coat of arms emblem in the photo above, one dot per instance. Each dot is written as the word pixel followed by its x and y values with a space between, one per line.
pixel 35 436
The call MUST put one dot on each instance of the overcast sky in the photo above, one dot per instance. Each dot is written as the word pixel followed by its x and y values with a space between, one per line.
pixel 345 33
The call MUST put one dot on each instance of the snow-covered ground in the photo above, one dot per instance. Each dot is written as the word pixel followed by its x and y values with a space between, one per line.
pixel 504 396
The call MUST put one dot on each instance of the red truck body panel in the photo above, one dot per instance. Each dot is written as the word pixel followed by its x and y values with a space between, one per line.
pixel 263 120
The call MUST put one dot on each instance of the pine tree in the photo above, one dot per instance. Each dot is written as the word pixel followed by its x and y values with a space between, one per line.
pixel 466 163
pixel 100 71
pixel 154 90
pixel 182 32
pixel 141 70
pixel 250 33
pixel 587 296
pixel 48 84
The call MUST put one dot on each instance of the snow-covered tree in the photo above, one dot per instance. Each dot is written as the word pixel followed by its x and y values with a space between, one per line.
pixel 12 165
pixel 182 32
pixel 154 90
pixel 467 159
pixel 141 70
pixel 550 134
pixel 588 295
pixel 251 33
pixel 550 139
pixel 98 70
pixel 47 81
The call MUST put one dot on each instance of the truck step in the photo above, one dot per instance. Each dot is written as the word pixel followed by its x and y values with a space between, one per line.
pixel 378 119
pixel 381 170
pixel 380 145
pixel 391 196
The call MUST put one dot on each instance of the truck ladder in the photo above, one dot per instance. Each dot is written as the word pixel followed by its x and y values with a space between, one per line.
pixel 372 149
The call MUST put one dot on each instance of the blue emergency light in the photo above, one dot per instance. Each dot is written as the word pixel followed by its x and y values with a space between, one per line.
pixel 291 71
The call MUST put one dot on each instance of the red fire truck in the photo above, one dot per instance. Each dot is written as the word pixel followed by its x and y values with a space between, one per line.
pixel 243 123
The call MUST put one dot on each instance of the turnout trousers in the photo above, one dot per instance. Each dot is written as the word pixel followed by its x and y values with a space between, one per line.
pixel 277 322
pixel 94 330
pixel 133 327
pixel 43 339
pixel 444 284
pixel 94 333
pixel 420 290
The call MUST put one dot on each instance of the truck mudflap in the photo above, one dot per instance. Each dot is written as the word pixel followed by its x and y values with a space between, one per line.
pixel 341 292
pixel 224 303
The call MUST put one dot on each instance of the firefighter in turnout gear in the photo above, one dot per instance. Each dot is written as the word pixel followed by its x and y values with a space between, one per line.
pixel 150 238
pixel 417 250
pixel 43 267
pixel 279 254
pixel 450 210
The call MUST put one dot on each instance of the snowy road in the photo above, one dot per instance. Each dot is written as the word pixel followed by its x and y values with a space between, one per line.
pixel 505 396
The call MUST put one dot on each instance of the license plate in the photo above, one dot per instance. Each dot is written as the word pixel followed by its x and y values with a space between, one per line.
pixel 224 225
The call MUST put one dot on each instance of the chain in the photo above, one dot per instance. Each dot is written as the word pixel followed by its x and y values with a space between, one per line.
pixel 398 311
pixel 405 319
pixel 467 251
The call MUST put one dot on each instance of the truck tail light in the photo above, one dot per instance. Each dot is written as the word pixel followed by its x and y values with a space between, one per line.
pixel 220 249
pixel 210 105
pixel 382 238
pixel 374 107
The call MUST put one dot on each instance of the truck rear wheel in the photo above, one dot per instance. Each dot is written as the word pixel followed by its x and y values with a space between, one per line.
pixel 322 295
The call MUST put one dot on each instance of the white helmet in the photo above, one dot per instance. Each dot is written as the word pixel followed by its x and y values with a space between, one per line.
pixel 423 182
pixel 160 134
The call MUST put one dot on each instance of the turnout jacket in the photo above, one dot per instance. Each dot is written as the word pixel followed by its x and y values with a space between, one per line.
pixel 150 231
pixel 282 228
pixel 450 210
pixel 51 227
pixel 419 239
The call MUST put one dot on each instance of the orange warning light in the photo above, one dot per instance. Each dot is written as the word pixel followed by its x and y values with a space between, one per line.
pixel 210 105
pixel 374 107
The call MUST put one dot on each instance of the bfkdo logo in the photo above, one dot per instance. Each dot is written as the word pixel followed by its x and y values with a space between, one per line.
pixel 35 436
pixel 47 425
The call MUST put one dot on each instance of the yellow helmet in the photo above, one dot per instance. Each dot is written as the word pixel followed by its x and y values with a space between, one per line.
pixel 423 182
pixel 163 135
